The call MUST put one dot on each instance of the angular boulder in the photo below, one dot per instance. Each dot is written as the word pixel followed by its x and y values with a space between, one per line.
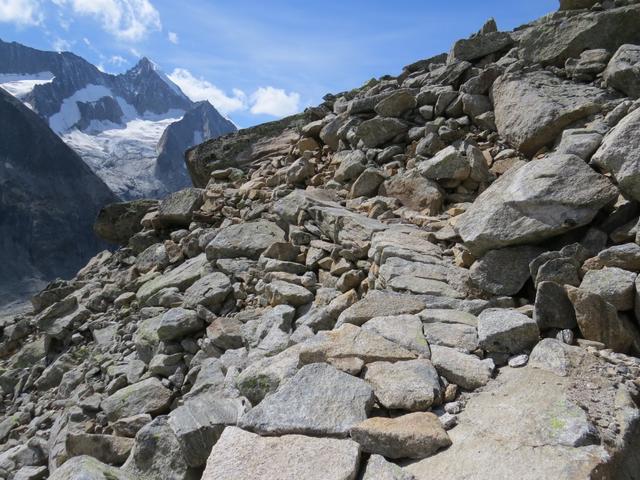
pixel 537 201
pixel 623 71
pixel 118 222
pixel 244 240
pixel 177 209
pixel 532 109
pixel 147 396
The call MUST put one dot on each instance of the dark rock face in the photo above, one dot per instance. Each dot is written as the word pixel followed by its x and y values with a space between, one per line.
pixel 243 147
pixel 200 123
pixel 118 222
pixel 49 199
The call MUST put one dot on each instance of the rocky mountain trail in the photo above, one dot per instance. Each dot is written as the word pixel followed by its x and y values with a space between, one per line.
pixel 434 274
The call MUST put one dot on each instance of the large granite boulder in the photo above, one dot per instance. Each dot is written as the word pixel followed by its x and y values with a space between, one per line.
pixel 118 222
pixel 623 70
pixel 533 108
pixel 537 201
pixel 619 154
pixel 244 240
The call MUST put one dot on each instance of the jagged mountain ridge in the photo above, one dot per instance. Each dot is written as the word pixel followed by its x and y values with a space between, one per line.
pixel 49 199
pixel 115 122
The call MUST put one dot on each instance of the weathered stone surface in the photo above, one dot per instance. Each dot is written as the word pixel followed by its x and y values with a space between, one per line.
pixel 623 71
pixel 396 104
pixel 448 164
pixel 380 304
pixel 157 454
pixel 576 4
pixel 625 256
pixel 367 184
pixel 580 142
pixel 412 385
pixel 619 154
pixel 416 435
pixel 379 469
pixel 532 109
pixel 507 331
pixel 147 396
pixel 318 400
pixel 414 191
pixel 106 448
pixel 177 209
pixel 210 291
pixel 504 271
pixel 350 165
pixel 285 293
pixel 405 330
pixel 614 285
pixel 118 222
pixel 537 201
pixel 244 240
pixel 552 308
pixel 199 423
pixel 454 335
pixel 180 277
pixel 512 430
pixel 349 348
pixel 88 468
pixel 241 455
pixel 599 321
pixel 479 46
pixel 555 39
pixel 177 323
pixel 467 371
pixel 380 130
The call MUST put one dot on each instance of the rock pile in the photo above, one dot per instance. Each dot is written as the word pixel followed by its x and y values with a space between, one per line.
pixel 432 276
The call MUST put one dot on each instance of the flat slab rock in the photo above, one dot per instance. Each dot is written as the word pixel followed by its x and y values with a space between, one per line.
pixel 147 396
pixel 241 455
pixel 379 304
pixel 523 425
pixel 318 400
pixel 88 468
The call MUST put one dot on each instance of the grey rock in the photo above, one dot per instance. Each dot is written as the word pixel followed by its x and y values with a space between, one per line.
pixel 244 240
pixel 455 335
pixel 416 435
pixel 504 330
pixel 412 385
pixel 118 222
pixel 580 142
pixel 467 371
pixel 350 164
pixel 241 455
pixel 448 164
pixel 576 4
pixel 623 70
pixel 180 277
pixel 617 153
pixel 626 256
pixel 552 307
pixel 396 104
pixel 279 292
pixel 147 396
pixel 516 209
pixel 562 270
pixel 504 271
pixel 379 469
pixel 380 304
pixel 88 468
pixel 614 285
pixel 380 130
pixel 479 46
pixel 367 184
pixel 177 209
pixel 177 323
pixel 199 423
pixel 414 191
pixel 157 454
pixel 405 330
pixel 210 291
pixel 106 448
pixel 532 109
pixel 318 400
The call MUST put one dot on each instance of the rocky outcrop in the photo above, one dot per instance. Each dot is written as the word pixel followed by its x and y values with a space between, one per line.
pixel 50 199
pixel 421 279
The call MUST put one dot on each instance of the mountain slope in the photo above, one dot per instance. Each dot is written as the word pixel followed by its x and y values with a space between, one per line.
pixel 49 199
pixel 113 121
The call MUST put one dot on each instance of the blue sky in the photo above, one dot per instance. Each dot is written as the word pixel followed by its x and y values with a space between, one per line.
pixel 258 60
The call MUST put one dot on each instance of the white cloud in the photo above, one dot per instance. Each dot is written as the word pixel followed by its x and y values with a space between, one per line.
pixel 21 12
pixel 117 60
pixel 199 89
pixel 61 45
pixel 173 37
pixel 129 20
pixel 274 101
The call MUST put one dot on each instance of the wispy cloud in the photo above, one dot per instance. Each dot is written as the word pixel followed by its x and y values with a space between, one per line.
pixel 61 45
pixel 21 12
pixel 275 102
pixel 128 20
pixel 173 37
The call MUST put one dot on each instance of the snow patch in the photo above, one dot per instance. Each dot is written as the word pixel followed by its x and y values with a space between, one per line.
pixel 69 113
pixel 21 84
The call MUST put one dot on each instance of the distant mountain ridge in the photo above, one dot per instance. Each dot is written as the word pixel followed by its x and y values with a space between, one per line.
pixel 115 122
pixel 49 199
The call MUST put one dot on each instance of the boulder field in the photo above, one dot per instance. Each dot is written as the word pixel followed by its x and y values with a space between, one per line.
pixel 434 275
